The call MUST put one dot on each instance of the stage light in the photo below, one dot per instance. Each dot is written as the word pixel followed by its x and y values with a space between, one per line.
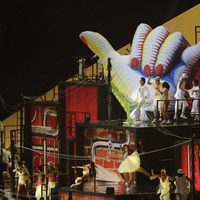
pixel 81 63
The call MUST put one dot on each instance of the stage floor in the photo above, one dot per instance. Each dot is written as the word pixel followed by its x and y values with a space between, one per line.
pixel 119 188
pixel 149 124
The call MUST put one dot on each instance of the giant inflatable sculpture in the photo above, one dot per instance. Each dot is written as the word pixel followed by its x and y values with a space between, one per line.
pixel 154 52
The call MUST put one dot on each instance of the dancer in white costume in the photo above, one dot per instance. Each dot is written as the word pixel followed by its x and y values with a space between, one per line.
pixel 181 93
pixel 164 189
pixel 88 174
pixel 39 185
pixel 52 178
pixel 182 183
pixel 23 180
pixel 142 96
pixel 157 86
pixel 130 165
pixel 195 94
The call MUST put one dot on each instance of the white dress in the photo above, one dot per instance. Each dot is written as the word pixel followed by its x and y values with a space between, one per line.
pixel 180 94
pixel 130 164
pixel 195 95
pixel 142 96
pixel 40 192
pixel 164 189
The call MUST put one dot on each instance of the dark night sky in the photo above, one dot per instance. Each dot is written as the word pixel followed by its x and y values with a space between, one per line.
pixel 39 40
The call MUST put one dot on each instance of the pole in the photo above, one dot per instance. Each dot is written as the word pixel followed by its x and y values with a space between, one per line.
pixel 45 163
pixel 21 129
pixel 109 67
pixel 12 149
pixel 193 165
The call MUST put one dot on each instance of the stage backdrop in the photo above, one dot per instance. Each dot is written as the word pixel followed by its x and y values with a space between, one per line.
pixel 41 124
pixel 155 52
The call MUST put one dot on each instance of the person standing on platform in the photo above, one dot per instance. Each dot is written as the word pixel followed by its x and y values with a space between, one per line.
pixel 52 178
pixel 130 165
pixel 180 95
pixel 164 92
pixel 182 183
pixel 164 188
pixel 142 96
pixel 195 94
pixel 157 86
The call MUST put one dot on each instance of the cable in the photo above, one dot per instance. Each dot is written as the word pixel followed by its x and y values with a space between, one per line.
pixel 63 156
pixel 165 148
pixel 166 131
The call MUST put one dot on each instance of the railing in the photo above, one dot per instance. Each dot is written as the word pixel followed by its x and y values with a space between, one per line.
pixel 176 106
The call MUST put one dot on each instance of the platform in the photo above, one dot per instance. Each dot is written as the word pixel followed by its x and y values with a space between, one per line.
pixel 107 191
pixel 120 193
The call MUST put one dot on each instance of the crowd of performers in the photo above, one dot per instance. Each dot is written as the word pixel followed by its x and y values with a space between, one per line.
pixel 179 184
pixel 131 164
pixel 22 179
pixel 127 170
pixel 161 92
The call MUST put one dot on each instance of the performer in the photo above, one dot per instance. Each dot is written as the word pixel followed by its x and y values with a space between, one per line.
pixel 142 96
pixel 23 180
pixel 52 178
pixel 181 93
pixel 130 165
pixel 157 86
pixel 40 191
pixel 88 174
pixel 127 177
pixel 16 166
pixel 164 104
pixel 195 94
pixel 164 189
pixel 182 183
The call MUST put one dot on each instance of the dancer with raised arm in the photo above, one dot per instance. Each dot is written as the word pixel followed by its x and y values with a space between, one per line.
pixel 142 96
pixel 23 180
pixel 130 165
pixel 88 174
pixel 164 188
pixel 157 86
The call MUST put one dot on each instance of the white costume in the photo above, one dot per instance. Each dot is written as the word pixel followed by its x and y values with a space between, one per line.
pixel 195 94
pixel 40 192
pixel 142 96
pixel 51 185
pixel 130 164
pixel 164 189
pixel 23 178
pixel 180 94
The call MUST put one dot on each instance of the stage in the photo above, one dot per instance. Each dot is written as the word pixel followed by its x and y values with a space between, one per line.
pixel 114 192
pixel 107 191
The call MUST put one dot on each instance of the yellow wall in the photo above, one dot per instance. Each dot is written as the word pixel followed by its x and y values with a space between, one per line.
pixel 185 23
